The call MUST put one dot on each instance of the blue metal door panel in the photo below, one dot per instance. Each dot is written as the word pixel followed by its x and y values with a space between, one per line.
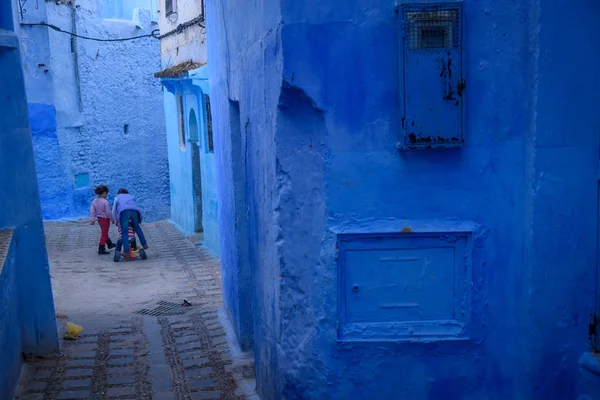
pixel 433 83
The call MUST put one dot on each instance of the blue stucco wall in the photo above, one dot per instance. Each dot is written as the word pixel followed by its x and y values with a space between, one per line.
pixel 27 320
pixel 246 69
pixel 56 187
pixel 192 88
pixel 180 171
pixel 210 202
pixel 318 85
pixel 75 137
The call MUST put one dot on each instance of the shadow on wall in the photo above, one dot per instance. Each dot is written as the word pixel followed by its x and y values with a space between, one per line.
pixel 27 320
pixel 301 139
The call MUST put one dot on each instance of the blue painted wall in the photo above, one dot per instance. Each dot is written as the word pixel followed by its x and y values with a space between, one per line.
pixel 27 320
pixel 80 103
pixel 318 88
pixel 246 69
pixel 56 187
pixel 192 88
pixel 559 261
pixel 180 171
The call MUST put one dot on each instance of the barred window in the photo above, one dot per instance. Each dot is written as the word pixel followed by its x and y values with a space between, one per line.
pixel 170 7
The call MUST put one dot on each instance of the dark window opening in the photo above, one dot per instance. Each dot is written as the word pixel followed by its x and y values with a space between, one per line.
pixel 209 129
pixel 434 37
pixel 180 116
pixel 168 7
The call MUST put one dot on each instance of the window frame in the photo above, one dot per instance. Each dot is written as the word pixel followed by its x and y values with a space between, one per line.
pixel 209 125
pixel 173 8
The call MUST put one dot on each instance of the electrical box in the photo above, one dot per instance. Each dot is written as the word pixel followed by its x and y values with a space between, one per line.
pixel 404 286
pixel 432 81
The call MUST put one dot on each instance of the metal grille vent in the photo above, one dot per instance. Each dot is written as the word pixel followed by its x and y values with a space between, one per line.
pixel 166 308
pixel 431 28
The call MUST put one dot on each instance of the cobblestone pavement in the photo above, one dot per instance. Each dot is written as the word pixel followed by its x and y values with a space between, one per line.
pixel 131 348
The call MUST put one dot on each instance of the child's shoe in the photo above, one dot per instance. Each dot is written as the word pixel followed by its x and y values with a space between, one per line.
pixel 110 244
pixel 102 249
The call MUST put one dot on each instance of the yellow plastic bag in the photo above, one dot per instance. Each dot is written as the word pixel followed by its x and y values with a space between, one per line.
pixel 73 331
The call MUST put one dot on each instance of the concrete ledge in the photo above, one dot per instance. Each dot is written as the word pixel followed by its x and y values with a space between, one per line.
pixel 8 39
pixel 405 226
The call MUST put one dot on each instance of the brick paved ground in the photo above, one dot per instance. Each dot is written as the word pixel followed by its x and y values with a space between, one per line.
pixel 126 355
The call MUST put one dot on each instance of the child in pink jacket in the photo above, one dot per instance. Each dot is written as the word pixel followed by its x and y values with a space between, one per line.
pixel 101 210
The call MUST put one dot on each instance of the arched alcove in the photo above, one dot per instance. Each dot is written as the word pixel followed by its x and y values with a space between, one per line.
pixel 193 126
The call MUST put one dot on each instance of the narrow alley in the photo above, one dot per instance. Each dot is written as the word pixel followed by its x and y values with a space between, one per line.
pixel 343 200
pixel 139 342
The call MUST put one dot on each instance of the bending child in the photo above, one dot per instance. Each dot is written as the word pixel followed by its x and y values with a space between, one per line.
pixel 126 211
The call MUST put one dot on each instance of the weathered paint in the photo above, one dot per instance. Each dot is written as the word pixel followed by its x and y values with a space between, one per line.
pixel 115 133
pixel 318 88
pixel 193 88
pixel 431 101
pixel 27 320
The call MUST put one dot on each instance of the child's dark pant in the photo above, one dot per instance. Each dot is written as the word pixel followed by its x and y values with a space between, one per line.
pixel 133 216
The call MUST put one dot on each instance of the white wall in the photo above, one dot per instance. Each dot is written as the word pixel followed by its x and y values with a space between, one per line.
pixel 189 45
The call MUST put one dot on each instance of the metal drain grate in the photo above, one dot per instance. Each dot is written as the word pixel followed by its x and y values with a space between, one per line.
pixel 165 308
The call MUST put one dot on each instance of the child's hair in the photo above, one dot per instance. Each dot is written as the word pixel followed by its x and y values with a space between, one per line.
pixel 101 189
pixel 123 191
